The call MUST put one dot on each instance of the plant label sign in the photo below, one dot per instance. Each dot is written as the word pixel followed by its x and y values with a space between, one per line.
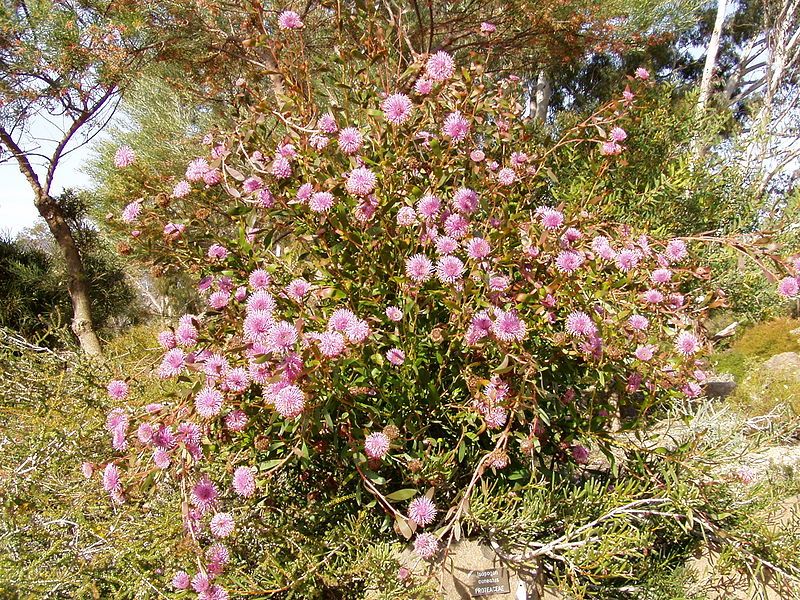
pixel 490 581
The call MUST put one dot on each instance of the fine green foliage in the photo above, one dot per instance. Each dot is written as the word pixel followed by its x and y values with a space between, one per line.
pixel 756 344
pixel 59 538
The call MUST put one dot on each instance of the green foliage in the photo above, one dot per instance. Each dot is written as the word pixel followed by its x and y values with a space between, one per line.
pixel 756 344
pixel 630 532
pixel 59 537
pixel 34 299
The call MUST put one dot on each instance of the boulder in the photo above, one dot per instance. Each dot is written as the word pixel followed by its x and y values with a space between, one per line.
pixel 783 365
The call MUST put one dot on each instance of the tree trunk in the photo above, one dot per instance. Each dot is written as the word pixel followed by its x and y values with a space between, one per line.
pixel 544 91
pixel 711 58
pixel 77 284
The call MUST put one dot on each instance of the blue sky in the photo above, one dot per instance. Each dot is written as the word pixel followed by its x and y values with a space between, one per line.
pixel 16 199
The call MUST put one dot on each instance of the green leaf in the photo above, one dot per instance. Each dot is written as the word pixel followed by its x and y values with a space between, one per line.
pixel 403 494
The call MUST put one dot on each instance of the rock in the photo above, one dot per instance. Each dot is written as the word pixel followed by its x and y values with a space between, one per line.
pixel 720 386
pixel 785 364
pixel 457 574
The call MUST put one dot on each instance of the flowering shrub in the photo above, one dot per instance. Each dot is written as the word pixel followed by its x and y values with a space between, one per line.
pixel 391 303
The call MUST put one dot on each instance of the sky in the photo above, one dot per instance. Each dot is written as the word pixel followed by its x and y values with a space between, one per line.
pixel 16 198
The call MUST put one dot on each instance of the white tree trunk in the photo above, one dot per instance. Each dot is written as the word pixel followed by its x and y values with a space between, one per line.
pixel 544 91
pixel 711 57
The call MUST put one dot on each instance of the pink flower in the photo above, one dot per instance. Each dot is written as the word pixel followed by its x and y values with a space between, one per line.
pixel 477 156
pixel 172 364
pixel 661 276
pixel 281 167
pixel 111 482
pixel 131 212
pixel 236 420
pixel 456 127
pixel 361 181
pixel 221 525
pixel 281 336
pixel 618 134
pixel 676 251
pixel 394 314
pixel 350 140
pixel 208 402
pixel 428 206
pixel 610 149
pixel 161 458
pixel 204 494
pixel 397 108
pixel 201 583
pixel 426 545
pixel 445 245
pixel 422 511
pixel 518 158
pixel 550 218
pixel 318 142
pixel 571 235
pixel 321 202
pixel 261 300
pixel 449 269
pixel 487 28
pixel 217 252
pixel 297 289
pixel 496 417
pixel 499 283
pixel 580 454
pixel 290 401
pixel 465 201
pixel 419 268
pixel 440 66
pixel 396 356
pixel 508 326
pixel 304 192
pixel 506 176
pixel 645 353
pixel 196 169
pixel 456 226
pixel 638 322
pixel 117 420
pixel 376 445
pixel 627 259
pixel 252 184
pixel 653 297
pixel 219 300
pixel 686 343
pixel 423 86
pixel 406 216
pixel 642 73
pixel 181 189
pixel 117 389
pixel 569 261
pixel 478 248
pixel 788 287
pixel 341 319
pixel 174 230
pixel 244 484
pixel 331 343
pixel 212 177
pixel 289 19
pixel 265 199
pixel 180 581
pixel 87 469
pixel 327 123
pixel 124 157
pixel 259 279
pixel 580 324
pixel 357 331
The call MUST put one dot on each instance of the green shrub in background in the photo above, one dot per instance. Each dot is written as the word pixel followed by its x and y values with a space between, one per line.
pixel 34 299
